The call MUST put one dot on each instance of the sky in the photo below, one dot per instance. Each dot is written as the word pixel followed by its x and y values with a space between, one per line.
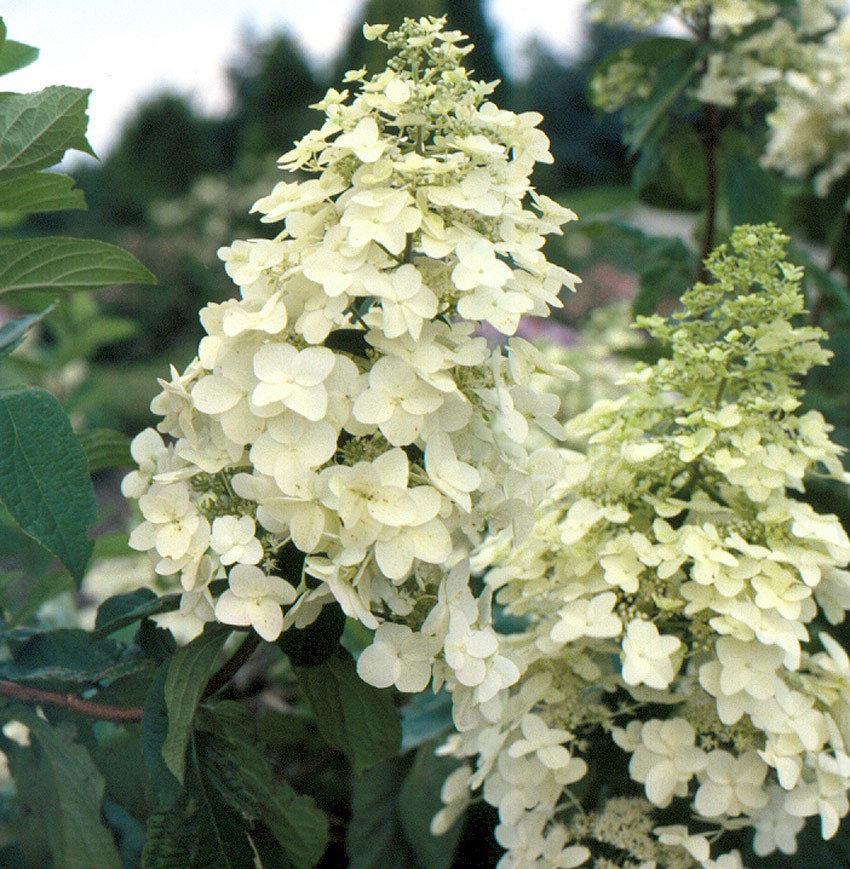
pixel 127 50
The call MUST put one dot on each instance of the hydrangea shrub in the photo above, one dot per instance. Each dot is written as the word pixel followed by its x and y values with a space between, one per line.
pixel 346 439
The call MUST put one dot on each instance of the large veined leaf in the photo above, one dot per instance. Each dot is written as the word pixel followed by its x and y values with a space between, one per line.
pixel 37 129
pixel 65 789
pixel 232 753
pixel 40 191
pixel 162 788
pixel 105 448
pixel 188 671
pixel 199 831
pixel 375 838
pixel 354 717
pixel 672 64
pixel 63 265
pixel 44 479
pixel 66 658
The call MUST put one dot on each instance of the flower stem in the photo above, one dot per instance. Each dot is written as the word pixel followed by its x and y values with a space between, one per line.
pixel 233 665
pixel 709 142
pixel 70 702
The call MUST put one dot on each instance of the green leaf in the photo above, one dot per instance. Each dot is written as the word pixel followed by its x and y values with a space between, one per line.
pixel 69 793
pixel 231 752
pixel 105 448
pixel 314 644
pixel 199 831
pixel 358 719
pixel 100 332
pixel 144 604
pixel 375 837
pixel 36 129
pixel 752 194
pixel 188 672
pixel 162 788
pixel 418 802
pixel 227 841
pixel 66 265
pixel 66 658
pixel 41 191
pixel 16 55
pixel 13 332
pixel 121 610
pixel 44 479
pixel 674 63
pixel 424 717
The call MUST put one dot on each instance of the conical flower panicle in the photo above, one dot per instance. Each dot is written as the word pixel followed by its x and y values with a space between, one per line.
pixel 343 403
pixel 668 590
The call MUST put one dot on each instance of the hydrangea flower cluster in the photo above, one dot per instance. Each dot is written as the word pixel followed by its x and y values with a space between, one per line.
pixel 343 406
pixel 786 52
pixel 666 593
pixel 809 128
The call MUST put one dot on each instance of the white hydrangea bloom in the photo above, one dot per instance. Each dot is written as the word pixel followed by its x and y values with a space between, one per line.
pixel 398 657
pixel 254 599
pixel 647 655
pixel 665 759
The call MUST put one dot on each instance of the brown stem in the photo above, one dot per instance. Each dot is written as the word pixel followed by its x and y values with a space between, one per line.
pixel 87 708
pixel 232 666
pixel 816 313
pixel 709 142
pixel 837 243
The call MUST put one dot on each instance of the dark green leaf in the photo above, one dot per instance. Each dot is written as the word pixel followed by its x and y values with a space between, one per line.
pixel 36 129
pixel 146 604
pixel 16 55
pixel 105 448
pixel 188 672
pixel 91 335
pixel 198 831
pixel 418 802
pixel 232 748
pixel 44 479
pixel 13 332
pixel 170 837
pixel 162 788
pixel 66 658
pixel 674 63
pixel 70 790
pixel 66 265
pixel 313 645
pixel 351 341
pixel 123 609
pixel 156 642
pixel 229 840
pixel 752 194
pixel 41 191
pixel 358 719
pixel 375 838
